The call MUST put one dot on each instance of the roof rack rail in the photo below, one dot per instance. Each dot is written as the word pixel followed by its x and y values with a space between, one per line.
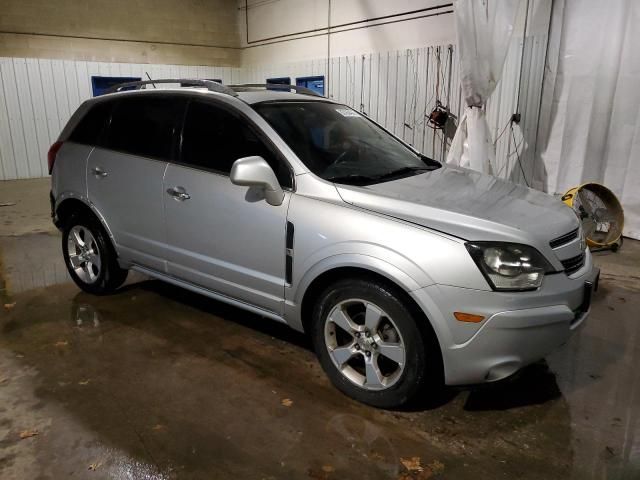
pixel 274 86
pixel 191 82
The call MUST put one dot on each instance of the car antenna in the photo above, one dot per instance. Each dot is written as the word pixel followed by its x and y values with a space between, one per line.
pixel 149 77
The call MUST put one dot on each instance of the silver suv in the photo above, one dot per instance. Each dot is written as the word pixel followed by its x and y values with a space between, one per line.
pixel 406 273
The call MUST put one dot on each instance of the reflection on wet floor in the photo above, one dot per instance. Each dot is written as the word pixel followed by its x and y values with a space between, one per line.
pixel 28 262
pixel 156 382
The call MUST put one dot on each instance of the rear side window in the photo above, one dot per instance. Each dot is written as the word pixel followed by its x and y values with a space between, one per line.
pixel 146 126
pixel 214 138
pixel 91 127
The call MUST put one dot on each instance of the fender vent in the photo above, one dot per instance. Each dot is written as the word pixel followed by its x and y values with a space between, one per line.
pixel 288 265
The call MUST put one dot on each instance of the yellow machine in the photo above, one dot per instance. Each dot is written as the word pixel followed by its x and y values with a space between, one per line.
pixel 600 212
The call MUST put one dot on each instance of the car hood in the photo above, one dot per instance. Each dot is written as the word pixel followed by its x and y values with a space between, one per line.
pixel 467 204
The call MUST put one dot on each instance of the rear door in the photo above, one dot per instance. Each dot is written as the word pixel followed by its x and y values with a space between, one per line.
pixel 124 174
pixel 222 236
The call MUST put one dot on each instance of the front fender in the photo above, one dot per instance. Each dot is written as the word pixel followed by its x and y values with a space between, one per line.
pixel 385 267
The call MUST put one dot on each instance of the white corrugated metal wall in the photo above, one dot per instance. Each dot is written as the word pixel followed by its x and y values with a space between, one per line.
pixel 37 97
pixel 400 89
pixel 397 89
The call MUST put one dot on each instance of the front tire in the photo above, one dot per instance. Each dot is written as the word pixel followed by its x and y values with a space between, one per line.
pixel 90 257
pixel 369 343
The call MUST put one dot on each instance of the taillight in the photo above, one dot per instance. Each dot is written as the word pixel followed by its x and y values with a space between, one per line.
pixel 51 156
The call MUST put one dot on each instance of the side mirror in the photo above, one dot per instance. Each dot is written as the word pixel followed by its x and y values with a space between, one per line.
pixel 256 172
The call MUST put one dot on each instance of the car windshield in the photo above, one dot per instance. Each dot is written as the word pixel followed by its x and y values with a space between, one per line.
pixel 340 145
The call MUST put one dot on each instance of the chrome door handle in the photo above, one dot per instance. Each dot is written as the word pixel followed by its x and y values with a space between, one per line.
pixel 178 193
pixel 99 172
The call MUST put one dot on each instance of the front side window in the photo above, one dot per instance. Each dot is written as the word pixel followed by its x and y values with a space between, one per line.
pixel 146 125
pixel 213 138
pixel 340 145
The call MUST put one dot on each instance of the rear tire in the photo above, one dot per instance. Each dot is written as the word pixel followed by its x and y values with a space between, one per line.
pixel 370 345
pixel 90 257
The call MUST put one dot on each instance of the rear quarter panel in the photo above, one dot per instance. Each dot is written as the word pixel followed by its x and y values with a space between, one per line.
pixel 69 176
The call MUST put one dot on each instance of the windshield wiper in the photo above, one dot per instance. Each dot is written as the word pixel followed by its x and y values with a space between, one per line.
pixel 355 178
pixel 434 164
pixel 404 170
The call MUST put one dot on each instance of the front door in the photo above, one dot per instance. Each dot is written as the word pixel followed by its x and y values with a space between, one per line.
pixel 221 236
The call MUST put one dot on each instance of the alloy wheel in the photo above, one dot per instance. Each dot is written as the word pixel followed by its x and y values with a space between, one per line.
pixel 365 344
pixel 83 254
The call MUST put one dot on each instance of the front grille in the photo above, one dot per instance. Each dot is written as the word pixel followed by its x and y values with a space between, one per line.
pixel 564 239
pixel 573 264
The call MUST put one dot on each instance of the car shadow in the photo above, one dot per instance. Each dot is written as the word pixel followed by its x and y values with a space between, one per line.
pixel 220 309
pixel 533 385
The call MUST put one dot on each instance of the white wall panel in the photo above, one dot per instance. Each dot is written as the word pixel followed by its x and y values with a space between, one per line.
pixel 37 97
pixel 398 89
pixel 357 27
pixel 7 162
pixel 25 110
pixel 19 168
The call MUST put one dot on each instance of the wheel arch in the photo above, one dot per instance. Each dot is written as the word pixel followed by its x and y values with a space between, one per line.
pixel 315 288
pixel 70 205
pixel 329 276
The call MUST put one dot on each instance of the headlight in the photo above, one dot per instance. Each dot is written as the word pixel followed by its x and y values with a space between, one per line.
pixel 510 266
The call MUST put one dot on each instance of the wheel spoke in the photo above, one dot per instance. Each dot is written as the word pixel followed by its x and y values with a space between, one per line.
pixel 393 351
pixel 342 354
pixel 75 235
pixel 341 319
pixel 372 317
pixel 94 258
pixel 89 241
pixel 373 374
pixel 75 260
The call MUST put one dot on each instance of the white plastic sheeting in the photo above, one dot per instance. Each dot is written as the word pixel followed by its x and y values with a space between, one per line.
pixel 484 29
pixel 590 121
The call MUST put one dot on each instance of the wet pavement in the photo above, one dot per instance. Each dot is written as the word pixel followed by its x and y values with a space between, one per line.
pixel 156 382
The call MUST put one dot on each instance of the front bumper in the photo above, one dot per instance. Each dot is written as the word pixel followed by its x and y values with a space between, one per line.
pixel 519 329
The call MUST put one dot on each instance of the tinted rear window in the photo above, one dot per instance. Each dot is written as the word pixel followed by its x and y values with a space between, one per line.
pixel 146 126
pixel 89 130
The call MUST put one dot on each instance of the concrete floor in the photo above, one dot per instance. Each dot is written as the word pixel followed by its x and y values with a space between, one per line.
pixel 155 382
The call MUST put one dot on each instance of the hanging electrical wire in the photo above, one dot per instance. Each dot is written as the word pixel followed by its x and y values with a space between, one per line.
pixel 416 94
pixel 504 129
pixel 513 135
pixel 438 68
pixel 362 86
pixel 412 103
